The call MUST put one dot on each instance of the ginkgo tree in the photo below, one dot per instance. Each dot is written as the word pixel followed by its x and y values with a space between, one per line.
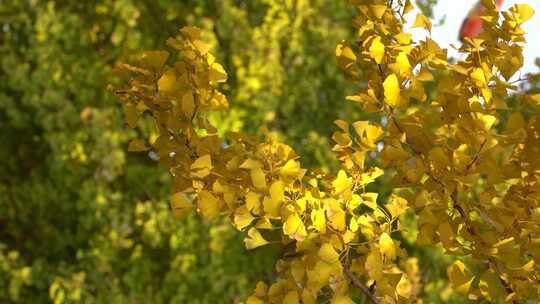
pixel 460 159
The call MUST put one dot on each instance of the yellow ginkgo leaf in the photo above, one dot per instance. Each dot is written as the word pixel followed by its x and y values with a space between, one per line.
pixel 446 235
pixel 479 78
pixel 298 270
pixel 376 50
pixel 191 32
pixel 277 190
pixel 272 204
pixel 370 175
pixel 486 121
pixel 342 183
pixel 439 157
pixel 392 153
pixel 460 277
pixel 353 224
pixel 369 133
pixel 491 286
pixel 254 300
pixel 486 92
pixel 258 178
pixel 387 247
pixel 403 38
pixel 264 223
pixel 217 73
pixel 202 162
pixel 208 204
pixel 261 289
pixel 524 12
pixel 396 205
pixel 180 205
pixel 242 217
pixel 374 265
pixel 403 66
pixel 341 299
pixel 408 7
pixel 154 59
pixel 302 202
pixel 254 239
pixel 369 103
pixel 405 287
pixel 535 97
pixel 200 46
pixel 515 122
pixel 253 202
pixel 167 82
pixel 188 104
pixel 369 199
pixel 422 21
pixel 345 55
pixel 318 219
pixel 294 227
pixel 328 254
pixel 378 10
pixel 251 164
pixel 424 75
pixel 202 166
pixel 291 298
pixel 137 145
pixel 320 275
pixel 309 296
pixel 292 170
pixel 391 90
pixel 337 219
pixel 132 115
pixel 344 50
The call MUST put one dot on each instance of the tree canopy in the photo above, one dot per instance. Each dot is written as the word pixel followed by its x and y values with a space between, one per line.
pixel 84 221
pixel 460 160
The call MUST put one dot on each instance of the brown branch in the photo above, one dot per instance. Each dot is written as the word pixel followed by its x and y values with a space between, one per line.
pixel 354 280
pixel 389 111
pixel 493 264
pixel 463 214
pixel 454 195
pixel 357 283
pixel 475 159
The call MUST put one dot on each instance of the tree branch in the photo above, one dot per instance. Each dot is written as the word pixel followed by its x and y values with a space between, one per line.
pixel 357 283
pixel 473 161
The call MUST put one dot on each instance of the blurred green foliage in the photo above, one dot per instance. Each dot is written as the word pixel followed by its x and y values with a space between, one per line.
pixel 83 221
pixel 426 6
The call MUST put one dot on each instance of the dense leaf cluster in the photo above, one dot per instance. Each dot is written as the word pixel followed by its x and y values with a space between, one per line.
pixel 458 159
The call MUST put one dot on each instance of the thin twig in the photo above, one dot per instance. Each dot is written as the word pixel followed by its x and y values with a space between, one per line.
pixel 357 283
pixel 477 155
pixel 354 280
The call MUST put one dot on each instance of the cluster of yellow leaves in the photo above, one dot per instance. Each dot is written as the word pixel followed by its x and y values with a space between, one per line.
pixel 462 157
pixel 332 222
pixel 463 161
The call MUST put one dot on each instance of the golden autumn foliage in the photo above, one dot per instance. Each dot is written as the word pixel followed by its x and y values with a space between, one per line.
pixel 461 160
